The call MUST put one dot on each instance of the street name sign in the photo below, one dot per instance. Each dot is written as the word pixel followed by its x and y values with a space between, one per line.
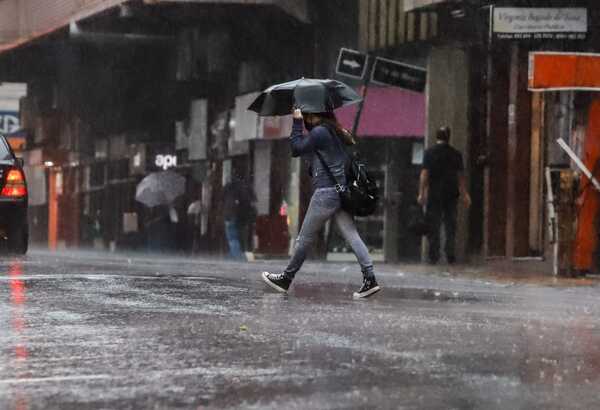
pixel 352 63
pixel 397 74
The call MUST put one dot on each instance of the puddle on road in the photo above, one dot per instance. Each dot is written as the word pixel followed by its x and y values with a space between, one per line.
pixel 184 286
pixel 332 293
pixel 434 294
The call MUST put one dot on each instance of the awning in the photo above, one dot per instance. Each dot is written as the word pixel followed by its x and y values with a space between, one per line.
pixel 551 71
pixel 388 112
pixel 41 20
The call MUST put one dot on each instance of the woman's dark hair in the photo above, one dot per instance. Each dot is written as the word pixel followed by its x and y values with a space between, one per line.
pixel 329 119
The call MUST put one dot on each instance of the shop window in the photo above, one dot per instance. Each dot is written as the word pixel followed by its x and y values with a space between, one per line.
pixel 96 178
pixel 118 170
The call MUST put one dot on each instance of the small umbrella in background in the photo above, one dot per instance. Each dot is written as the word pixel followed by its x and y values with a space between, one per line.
pixel 160 188
pixel 310 95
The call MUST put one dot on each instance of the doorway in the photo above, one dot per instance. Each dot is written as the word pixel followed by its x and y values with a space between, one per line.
pixel 395 164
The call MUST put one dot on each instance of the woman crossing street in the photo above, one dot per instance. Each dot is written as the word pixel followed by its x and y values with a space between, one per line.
pixel 327 137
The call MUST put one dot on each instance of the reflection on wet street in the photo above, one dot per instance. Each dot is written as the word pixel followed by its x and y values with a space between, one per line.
pixel 17 327
pixel 108 332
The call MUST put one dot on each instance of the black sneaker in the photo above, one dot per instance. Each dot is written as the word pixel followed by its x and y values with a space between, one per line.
pixel 369 287
pixel 278 281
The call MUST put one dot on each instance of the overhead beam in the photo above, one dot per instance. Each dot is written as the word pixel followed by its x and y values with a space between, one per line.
pixel 75 32
pixel 296 8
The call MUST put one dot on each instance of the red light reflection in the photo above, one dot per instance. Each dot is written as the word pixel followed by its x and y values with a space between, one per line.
pixel 18 298
pixel 17 291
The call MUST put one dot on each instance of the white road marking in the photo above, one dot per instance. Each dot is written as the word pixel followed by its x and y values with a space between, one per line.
pixel 33 380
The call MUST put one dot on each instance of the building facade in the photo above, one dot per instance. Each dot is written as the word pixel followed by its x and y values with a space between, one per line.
pixel 119 89
pixel 477 55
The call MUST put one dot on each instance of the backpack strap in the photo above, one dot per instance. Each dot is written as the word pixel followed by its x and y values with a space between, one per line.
pixel 339 187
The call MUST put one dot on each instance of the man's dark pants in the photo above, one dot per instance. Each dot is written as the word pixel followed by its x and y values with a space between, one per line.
pixel 441 211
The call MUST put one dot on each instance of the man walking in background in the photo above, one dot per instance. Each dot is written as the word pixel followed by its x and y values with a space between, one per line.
pixel 239 212
pixel 441 183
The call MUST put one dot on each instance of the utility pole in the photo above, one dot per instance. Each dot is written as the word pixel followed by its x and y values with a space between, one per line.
pixel 361 104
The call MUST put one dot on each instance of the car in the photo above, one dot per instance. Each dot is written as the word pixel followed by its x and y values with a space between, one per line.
pixel 14 227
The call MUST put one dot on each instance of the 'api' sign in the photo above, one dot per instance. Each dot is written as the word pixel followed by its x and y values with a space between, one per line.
pixel 165 161
pixel 9 121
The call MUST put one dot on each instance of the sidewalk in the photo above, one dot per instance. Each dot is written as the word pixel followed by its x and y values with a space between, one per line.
pixel 538 272
pixel 505 271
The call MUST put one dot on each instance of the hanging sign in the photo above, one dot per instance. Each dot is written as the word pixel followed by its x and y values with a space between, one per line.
pixel 397 74
pixel 552 71
pixel 351 63
pixel 525 23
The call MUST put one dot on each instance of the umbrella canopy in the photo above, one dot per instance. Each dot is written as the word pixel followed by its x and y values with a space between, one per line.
pixel 160 188
pixel 310 95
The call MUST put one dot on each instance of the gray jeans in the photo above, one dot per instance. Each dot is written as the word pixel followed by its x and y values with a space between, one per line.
pixel 324 204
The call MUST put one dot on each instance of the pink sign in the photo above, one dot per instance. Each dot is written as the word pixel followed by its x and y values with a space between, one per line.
pixel 388 112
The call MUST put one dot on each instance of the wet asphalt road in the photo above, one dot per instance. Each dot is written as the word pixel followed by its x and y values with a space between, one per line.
pixel 92 331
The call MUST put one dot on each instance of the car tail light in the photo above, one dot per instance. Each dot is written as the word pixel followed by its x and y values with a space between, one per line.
pixel 15 176
pixel 14 191
pixel 15 184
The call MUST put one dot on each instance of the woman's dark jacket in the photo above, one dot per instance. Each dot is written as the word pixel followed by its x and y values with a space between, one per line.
pixel 330 148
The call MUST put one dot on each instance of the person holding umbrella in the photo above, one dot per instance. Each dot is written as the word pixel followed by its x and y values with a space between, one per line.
pixel 158 191
pixel 327 137
pixel 312 102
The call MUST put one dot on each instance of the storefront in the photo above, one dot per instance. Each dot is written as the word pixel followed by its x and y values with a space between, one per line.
pixel 566 109
pixel 159 228
pixel 263 141
pixel 390 140
pixel 390 132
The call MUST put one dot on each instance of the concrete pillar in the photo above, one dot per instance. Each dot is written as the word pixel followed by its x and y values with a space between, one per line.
pixel 519 156
pixel 448 104
pixel 498 81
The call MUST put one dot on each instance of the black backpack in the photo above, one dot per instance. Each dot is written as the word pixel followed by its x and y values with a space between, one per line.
pixel 360 195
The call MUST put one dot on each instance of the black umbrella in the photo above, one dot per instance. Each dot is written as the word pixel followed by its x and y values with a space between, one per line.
pixel 310 95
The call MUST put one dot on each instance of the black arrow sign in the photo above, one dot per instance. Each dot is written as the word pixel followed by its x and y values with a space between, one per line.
pixel 351 63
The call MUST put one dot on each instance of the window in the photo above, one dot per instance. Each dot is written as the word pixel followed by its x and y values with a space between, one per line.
pixel 4 150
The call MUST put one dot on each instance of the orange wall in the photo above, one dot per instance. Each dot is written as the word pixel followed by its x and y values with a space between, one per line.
pixel 52 212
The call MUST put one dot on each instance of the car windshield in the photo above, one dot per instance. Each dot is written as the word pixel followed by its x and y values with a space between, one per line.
pixel 4 151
